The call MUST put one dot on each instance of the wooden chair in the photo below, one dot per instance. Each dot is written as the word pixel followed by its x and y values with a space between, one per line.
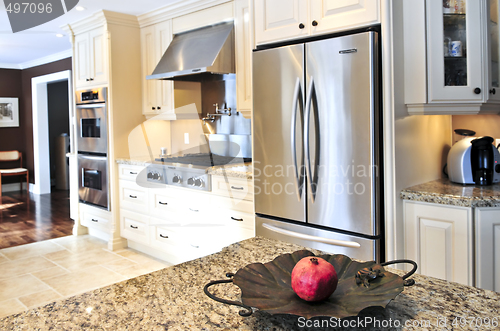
pixel 10 156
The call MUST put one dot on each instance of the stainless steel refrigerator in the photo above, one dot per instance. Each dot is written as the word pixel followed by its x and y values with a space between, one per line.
pixel 316 144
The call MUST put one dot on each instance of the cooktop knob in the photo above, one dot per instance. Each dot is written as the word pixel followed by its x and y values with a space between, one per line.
pixel 177 179
pixel 156 176
pixel 199 182
pixel 150 175
pixel 191 181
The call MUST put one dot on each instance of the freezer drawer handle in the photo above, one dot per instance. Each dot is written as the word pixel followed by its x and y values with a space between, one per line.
pixel 351 244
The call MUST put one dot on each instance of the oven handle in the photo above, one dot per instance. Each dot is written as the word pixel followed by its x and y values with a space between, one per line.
pixel 92 157
pixel 93 105
pixel 351 244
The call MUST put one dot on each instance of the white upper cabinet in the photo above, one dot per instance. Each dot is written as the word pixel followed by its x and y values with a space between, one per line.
pixel 91 58
pixel 157 94
pixel 278 20
pixel 451 57
pixel 244 46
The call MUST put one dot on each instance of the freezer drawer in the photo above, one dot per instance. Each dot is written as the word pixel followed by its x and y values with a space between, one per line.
pixel 360 248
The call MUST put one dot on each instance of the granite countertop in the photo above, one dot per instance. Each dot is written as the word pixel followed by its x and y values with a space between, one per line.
pixel 444 192
pixel 240 170
pixel 173 299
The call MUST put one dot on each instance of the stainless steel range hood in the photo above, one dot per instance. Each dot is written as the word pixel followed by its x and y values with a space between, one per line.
pixel 197 55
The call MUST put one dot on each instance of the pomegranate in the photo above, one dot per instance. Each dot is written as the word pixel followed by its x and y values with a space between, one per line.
pixel 314 279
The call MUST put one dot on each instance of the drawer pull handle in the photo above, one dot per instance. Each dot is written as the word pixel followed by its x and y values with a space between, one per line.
pixel 194 210
pixel 195 246
pixel 163 236
pixel 133 196
pixel 163 203
pixel 133 173
pixel 237 219
pixel 93 220
pixel 237 188
pixel 134 227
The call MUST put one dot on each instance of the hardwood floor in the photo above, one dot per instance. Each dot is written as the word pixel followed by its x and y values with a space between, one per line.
pixel 31 218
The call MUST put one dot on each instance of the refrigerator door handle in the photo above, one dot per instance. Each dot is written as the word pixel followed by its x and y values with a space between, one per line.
pixel 343 243
pixel 293 137
pixel 307 150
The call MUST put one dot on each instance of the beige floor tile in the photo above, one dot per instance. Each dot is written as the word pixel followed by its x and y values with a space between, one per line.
pixel 80 243
pixel 24 266
pixel 20 286
pixel 119 264
pixel 142 269
pixel 84 280
pixel 49 273
pixel 86 259
pixel 58 255
pixel 29 250
pixel 3 258
pixel 135 256
pixel 40 298
pixel 11 306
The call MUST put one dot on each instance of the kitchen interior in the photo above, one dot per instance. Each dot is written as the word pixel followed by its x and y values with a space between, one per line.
pixel 250 134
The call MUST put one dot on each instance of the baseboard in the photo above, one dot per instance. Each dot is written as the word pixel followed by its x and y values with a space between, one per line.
pixel 13 187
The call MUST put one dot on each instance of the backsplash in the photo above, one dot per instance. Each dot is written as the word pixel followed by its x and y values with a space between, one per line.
pixel 483 125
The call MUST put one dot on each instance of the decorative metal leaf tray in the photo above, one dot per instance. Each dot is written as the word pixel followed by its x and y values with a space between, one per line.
pixel 268 287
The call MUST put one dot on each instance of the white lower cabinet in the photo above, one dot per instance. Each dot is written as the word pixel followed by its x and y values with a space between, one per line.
pixel 487 222
pixel 439 238
pixel 94 218
pixel 178 224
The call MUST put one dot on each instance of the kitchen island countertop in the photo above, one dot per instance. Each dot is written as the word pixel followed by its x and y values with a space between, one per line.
pixel 444 192
pixel 173 299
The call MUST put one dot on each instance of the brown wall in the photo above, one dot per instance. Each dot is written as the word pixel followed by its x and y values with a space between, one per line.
pixel 17 83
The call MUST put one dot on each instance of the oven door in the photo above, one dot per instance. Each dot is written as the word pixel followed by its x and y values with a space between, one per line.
pixel 93 180
pixel 92 127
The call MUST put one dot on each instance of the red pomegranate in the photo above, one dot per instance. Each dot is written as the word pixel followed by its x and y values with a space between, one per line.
pixel 314 279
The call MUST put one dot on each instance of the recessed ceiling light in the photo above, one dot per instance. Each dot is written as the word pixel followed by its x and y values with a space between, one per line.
pixel 80 8
pixel 59 35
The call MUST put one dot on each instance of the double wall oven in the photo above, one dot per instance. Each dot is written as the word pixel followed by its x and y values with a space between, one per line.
pixel 92 145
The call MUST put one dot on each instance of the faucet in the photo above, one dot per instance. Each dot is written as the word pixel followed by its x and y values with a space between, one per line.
pixel 218 112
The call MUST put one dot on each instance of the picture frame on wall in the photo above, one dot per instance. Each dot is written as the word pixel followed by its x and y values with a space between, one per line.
pixel 9 112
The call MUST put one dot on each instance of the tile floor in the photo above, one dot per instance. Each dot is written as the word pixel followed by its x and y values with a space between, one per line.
pixel 36 274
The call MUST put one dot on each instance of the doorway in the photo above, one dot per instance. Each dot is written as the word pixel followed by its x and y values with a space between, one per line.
pixel 41 141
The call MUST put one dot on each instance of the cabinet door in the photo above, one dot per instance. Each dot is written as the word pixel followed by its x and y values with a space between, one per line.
pixel 149 62
pixel 487 248
pixel 98 56
pixel 82 60
pixel 494 50
pixel 439 239
pixel 335 15
pixel 277 20
pixel 456 57
pixel 164 88
pixel 244 46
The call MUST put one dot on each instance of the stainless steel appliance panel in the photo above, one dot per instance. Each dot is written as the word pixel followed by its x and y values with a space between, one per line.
pixel 339 136
pixel 93 180
pixel 328 241
pixel 278 94
pixel 92 128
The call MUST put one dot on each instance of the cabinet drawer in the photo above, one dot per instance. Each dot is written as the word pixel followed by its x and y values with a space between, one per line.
pixel 134 226
pixel 236 188
pixel 133 197
pixel 93 220
pixel 159 203
pixel 239 219
pixel 244 206
pixel 129 172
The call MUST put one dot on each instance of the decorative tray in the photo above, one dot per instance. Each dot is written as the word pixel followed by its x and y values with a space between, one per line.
pixel 267 287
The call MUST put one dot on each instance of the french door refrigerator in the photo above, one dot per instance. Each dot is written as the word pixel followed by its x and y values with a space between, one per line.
pixel 316 161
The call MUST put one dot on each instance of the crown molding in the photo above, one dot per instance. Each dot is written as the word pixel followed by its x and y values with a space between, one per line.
pixel 175 10
pixel 101 18
pixel 40 61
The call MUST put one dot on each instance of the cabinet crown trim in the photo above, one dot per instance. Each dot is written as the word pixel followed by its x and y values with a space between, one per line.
pixel 101 18
pixel 175 10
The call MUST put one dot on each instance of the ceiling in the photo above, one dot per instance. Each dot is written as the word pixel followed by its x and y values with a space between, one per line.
pixel 31 47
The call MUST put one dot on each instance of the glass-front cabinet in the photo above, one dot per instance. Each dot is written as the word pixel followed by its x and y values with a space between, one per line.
pixel 458 54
